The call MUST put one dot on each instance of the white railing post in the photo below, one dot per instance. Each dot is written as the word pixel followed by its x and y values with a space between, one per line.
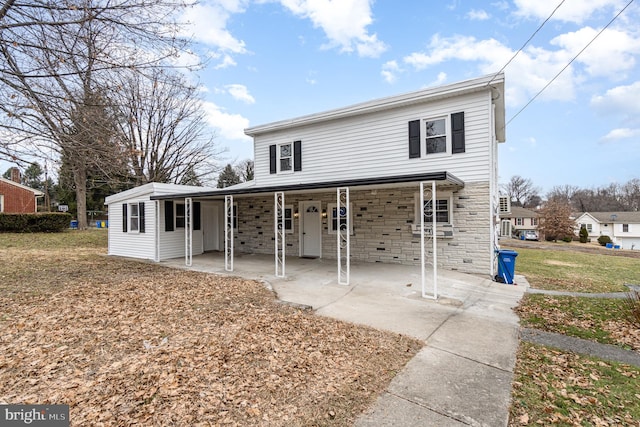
pixel 343 234
pixel 188 231
pixel 431 193
pixel 228 233
pixel 278 226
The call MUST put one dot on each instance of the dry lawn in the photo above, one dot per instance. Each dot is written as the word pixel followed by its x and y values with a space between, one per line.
pixel 131 343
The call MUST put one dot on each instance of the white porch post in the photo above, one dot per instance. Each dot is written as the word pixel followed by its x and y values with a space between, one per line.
pixel 278 226
pixel 343 234
pixel 188 231
pixel 431 196
pixel 228 233
pixel 157 239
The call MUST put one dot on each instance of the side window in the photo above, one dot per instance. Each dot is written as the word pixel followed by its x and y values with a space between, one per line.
pixel 335 216
pixel 288 219
pixel 285 157
pixel 443 135
pixel 134 217
pixel 443 212
pixel 180 215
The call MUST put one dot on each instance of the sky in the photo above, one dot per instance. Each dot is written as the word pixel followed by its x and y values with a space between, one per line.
pixel 270 60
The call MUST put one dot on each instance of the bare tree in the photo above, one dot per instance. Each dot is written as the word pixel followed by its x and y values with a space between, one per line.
pixel 57 62
pixel 245 170
pixel 563 193
pixel 555 220
pixel 522 192
pixel 162 129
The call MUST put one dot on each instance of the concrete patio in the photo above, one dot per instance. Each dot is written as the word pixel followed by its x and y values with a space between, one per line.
pixel 463 374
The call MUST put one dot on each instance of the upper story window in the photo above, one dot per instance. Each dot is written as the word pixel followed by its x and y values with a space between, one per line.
pixel 437 135
pixel 625 228
pixel 534 221
pixel 285 157
pixel 519 221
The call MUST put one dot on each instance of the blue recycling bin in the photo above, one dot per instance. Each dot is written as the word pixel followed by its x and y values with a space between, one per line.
pixel 74 224
pixel 506 266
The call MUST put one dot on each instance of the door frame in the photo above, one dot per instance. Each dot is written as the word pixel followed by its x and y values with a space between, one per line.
pixel 302 208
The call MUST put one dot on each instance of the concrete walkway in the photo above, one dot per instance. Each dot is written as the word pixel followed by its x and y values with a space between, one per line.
pixel 463 374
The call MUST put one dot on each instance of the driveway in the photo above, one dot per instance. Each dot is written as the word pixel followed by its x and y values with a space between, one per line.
pixel 463 374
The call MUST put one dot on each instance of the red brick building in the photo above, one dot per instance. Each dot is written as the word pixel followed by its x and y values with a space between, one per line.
pixel 17 198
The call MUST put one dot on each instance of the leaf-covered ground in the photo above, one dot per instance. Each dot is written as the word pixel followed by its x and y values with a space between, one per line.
pixel 601 320
pixel 565 389
pixel 127 343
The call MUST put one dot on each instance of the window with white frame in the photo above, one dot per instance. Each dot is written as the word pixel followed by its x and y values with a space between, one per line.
pixel 180 215
pixel 134 218
pixel 505 205
pixel 534 221
pixel 333 216
pixel 1 203
pixel 288 219
pixel 443 210
pixel 285 157
pixel 625 228
pixel 436 135
pixel 519 221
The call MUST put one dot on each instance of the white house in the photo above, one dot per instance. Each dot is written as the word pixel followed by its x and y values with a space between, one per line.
pixel 622 227
pixel 354 183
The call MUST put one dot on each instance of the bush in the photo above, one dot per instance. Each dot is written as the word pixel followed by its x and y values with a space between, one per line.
pixel 603 240
pixel 567 239
pixel 34 223
pixel 584 235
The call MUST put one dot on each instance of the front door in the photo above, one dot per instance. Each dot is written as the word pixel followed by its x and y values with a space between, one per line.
pixel 311 241
pixel 210 226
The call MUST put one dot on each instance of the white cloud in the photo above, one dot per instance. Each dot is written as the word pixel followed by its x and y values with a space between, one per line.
pixel 619 101
pixel 576 11
pixel 389 71
pixel 229 126
pixel 208 21
pixel 621 133
pixel 610 55
pixel 477 15
pixel 240 93
pixel 442 77
pixel 227 61
pixel 344 22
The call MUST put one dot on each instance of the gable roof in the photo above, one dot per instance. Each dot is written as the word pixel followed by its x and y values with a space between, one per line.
pixel 518 212
pixel 493 82
pixel 619 218
pixel 154 189
pixel 24 187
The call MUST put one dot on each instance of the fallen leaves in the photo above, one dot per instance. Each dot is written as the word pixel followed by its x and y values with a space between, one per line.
pixel 129 343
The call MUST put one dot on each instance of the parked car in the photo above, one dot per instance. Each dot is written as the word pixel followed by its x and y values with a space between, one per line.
pixel 530 235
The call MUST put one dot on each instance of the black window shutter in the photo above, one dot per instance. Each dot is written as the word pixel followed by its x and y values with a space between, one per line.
pixel 196 216
pixel 124 218
pixel 457 133
pixel 168 215
pixel 297 156
pixel 141 213
pixel 272 159
pixel 414 139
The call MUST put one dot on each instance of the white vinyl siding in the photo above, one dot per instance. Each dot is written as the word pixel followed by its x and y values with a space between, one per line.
pixel 364 145
pixel 132 245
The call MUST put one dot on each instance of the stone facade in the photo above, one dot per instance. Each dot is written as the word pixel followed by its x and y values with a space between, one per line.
pixel 383 227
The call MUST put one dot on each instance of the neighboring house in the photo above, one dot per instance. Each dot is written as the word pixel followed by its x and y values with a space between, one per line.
pixel 519 221
pixel 345 184
pixel 17 198
pixel 622 227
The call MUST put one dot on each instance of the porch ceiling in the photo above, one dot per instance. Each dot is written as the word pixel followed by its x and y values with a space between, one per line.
pixel 443 180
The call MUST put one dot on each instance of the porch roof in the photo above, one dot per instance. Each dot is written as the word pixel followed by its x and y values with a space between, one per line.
pixel 445 178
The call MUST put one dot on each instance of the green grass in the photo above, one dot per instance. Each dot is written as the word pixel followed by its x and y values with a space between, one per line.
pixel 587 318
pixel 564 389
pixel 567 270
pixel 69 239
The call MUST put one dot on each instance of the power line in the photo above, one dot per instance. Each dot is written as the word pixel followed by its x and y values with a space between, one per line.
pixel 527 42
pixel 570 62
